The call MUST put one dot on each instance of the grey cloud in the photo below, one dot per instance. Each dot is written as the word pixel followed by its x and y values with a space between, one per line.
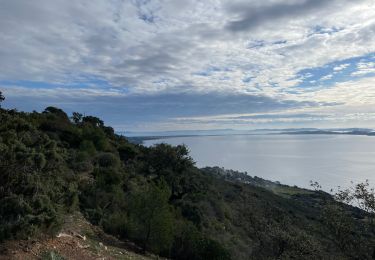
pixel 153 64
pixel 277 116
pixel 146 108
pixel 251 16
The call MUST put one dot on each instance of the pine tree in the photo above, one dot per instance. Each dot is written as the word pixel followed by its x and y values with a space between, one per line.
pixel 2 98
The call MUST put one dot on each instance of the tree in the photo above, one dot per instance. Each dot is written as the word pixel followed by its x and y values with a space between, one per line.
pixel 57 112
pixel 341 222
pixel 361 195
pixel 2 98
pixel 77 117
pixel 93 121
pixel 151 220
pixel 174 165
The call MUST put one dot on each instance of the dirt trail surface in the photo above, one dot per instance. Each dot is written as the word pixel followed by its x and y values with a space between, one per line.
pixel 77 239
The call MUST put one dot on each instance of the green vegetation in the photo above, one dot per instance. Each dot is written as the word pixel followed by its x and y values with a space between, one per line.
pixel 2 98
pixel 51 255
pixel 52 165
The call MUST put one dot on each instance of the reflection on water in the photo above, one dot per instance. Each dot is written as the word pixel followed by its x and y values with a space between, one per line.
pixel 332 160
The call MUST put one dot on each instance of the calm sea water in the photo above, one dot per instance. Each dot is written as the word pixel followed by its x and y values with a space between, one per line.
pixel 332 160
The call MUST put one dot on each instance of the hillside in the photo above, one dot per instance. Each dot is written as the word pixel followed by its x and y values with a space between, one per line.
pixel 53 167
pixel 77 239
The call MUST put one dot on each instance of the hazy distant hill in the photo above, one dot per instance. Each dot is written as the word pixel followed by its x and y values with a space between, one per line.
pixel 139 137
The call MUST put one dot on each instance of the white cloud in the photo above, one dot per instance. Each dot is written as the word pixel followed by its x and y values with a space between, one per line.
pixel 364 68
pixel 341 67
pixel 58 40
pixel 327 77
pixel 348 104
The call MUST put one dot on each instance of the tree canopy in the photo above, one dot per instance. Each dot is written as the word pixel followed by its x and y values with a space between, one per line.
pixel 2 98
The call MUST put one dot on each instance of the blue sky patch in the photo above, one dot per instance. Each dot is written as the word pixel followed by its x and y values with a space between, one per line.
pixel 82 82
pixel 335 72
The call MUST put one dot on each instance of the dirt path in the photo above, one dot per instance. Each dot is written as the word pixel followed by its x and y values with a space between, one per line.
pixel 78 239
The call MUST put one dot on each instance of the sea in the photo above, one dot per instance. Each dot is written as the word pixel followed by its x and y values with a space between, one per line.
pixel 331 160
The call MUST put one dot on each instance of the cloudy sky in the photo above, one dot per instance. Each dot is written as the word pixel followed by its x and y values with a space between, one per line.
pixel 145 65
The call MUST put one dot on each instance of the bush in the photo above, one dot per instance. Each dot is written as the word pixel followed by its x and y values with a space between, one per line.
pixel 189 243
pixel 108 160
pixel 151 219
pixel 51 255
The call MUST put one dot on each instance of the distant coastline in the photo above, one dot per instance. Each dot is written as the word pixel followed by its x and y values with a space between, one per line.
pixel 139 139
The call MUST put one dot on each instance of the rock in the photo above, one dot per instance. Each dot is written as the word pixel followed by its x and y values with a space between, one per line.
pixel 63 235
pixel 80 236
pixel 83 246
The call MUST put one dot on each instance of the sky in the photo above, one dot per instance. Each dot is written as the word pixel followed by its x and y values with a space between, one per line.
pixel 157 65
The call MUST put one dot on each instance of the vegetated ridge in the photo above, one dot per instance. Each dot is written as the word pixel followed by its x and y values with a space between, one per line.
pixel 54 167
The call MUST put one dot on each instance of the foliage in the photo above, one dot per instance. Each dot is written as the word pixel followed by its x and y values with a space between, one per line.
pixel 361 194
pixel 77 117
pixel 35 183
pixel 2 98
pixel 151 219
pixel 351 237
pixel 51 255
